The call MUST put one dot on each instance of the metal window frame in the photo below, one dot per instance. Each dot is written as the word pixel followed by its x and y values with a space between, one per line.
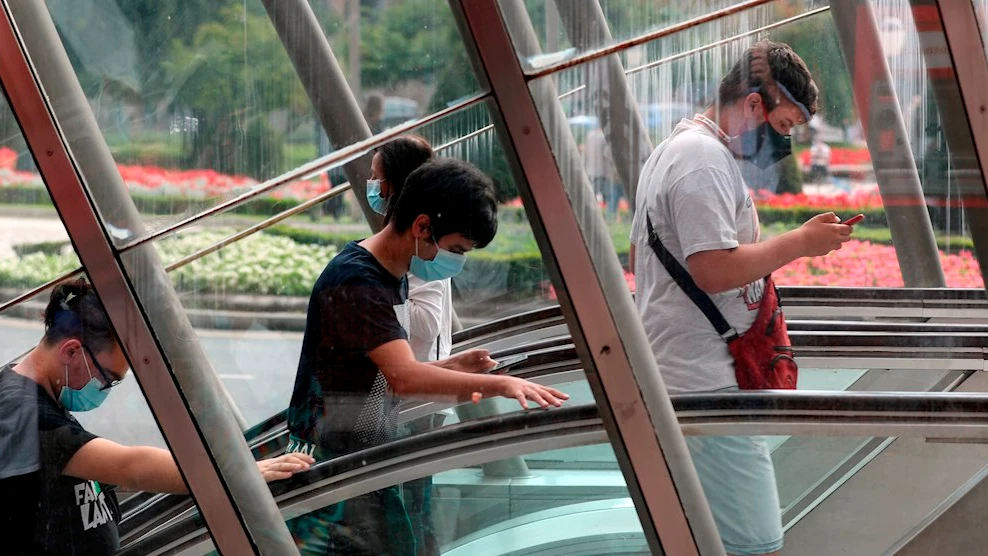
pixel 965 42
pixel 610 339
pixel 59 171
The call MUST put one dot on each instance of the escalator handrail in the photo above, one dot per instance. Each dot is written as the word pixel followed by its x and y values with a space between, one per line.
pixel 951 415
pixel 897 404
pixel 791 295
pixel 561 356
pixel 503 429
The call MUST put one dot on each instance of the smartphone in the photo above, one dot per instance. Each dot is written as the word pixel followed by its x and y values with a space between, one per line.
pixel 508 362
pixel 853 220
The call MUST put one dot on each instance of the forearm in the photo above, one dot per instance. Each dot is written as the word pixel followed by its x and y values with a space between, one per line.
pixel 153 470
pixel 433 381
pixel 734 268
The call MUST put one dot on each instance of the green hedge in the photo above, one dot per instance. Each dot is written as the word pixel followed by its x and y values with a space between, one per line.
pixel 155 204
pixel 46 248
pixel 795 217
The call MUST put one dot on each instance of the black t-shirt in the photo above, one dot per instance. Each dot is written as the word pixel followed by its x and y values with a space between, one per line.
pixel 342 402
pixel 46 512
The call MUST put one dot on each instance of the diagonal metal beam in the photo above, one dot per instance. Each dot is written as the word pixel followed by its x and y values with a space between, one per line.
pixel 895 170
pixel 181 389
pixel 594 297
pixel 613 100
pixel 327 87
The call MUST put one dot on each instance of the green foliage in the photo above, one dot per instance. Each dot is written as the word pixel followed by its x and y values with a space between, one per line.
pixel 790 177
pixel 218 74
pixel 795 217
pixel 258 264
pixel 815 40
pixel 45 248
pixel 413 39
pixel 35 269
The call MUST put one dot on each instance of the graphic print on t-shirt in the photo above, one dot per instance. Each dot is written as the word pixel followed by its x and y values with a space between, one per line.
pixel 752 294
pixel 91 502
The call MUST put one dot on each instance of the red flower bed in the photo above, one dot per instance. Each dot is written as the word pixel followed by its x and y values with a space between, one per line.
pixel 862 264
pixel 865 264
pixel 840 156
pixel 858 200
pixel 191 183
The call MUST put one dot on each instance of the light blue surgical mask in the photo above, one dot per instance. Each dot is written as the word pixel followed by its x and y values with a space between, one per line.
pixel 87 398
pixel 377 203
pixel 446 265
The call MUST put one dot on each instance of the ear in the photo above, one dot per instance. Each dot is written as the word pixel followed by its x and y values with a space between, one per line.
pixel 753 105
pixel 422 228
pixel 69 350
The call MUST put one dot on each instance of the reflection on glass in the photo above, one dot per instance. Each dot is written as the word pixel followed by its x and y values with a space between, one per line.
pixel 831 167
pixel 711 190
pixel 248 299
pixel 56 467
pixel 571 499
pixel 34 247
pixel 550 22
pixel 199 102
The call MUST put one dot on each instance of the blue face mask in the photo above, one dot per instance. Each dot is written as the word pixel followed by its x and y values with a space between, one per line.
pixel 377 203
pixel 446 265
pixel 89 397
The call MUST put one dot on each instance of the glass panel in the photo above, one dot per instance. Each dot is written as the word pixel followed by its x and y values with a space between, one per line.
pixel 791 192
pixel 34 247
pixel 543 21
pixel 44 439
pixel 248 300
pixel 411 56
pixel 875 148
pixel 571 499
pixel 199 102
pixel 870 501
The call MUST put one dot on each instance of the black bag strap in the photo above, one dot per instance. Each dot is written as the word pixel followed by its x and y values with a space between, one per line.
pixel 682 277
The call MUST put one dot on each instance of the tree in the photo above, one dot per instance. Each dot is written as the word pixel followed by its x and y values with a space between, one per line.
pixel 232 75
pixel 409 40
pixel 815 40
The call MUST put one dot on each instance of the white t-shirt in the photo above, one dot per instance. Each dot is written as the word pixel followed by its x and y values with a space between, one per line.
pixel 430 308
pixel 698 201
pixel 820 154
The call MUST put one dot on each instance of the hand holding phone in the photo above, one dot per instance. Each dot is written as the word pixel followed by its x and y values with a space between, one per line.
pixel 507 362
pixel 853 220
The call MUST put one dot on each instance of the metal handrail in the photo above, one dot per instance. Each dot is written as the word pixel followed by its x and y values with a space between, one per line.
pixel 618 46
pixel 715 44
pixel 336 158
pixel 955 416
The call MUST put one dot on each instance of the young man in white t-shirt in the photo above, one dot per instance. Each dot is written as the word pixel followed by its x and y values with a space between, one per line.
pixel 699 205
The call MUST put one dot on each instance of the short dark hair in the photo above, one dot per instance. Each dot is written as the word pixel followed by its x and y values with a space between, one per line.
pixel 455 195
pixel 74 311
pixel 399 158
pixel 761 67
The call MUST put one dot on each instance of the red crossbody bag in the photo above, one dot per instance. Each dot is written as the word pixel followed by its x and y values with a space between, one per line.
pixel 763 355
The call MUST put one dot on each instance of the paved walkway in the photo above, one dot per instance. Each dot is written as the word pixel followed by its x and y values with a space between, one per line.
pixel 16 230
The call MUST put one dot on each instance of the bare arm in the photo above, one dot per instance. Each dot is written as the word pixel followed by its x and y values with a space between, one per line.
pixel 724 269
pixel 410 378
pixel 150 469
pixel 134 468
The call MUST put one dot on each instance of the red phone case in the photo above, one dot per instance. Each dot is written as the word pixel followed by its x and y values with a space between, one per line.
pixel 853 220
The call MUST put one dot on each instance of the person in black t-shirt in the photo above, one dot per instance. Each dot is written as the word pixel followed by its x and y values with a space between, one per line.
pixel 52 471
pixel 356 359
